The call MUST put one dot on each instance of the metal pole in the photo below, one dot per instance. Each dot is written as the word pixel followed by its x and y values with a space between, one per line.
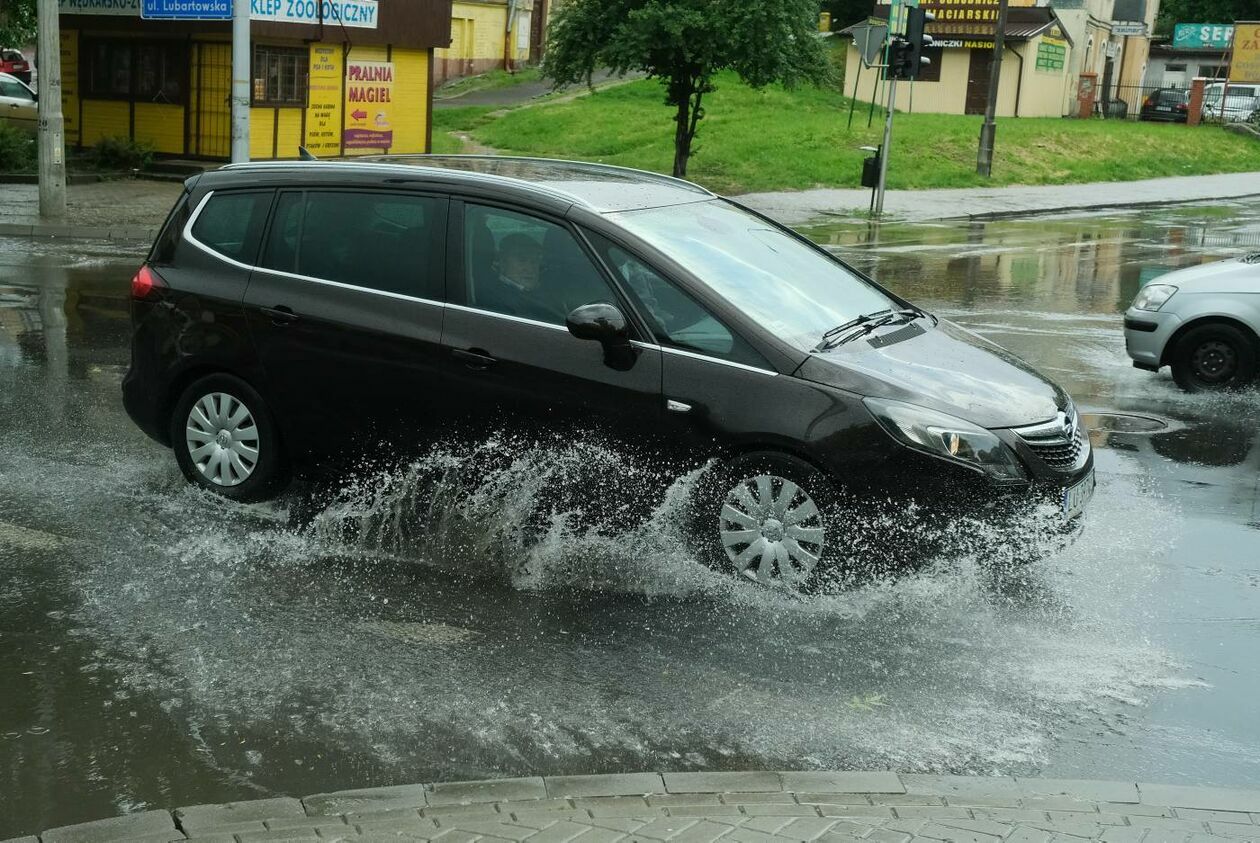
pixel 853 99
pixel 52 124
pixel 886 148
pixel 240 81
pixel 984 158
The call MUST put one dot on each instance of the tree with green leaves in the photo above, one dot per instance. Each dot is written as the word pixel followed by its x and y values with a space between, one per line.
pixel 1203 11
pixel 684 43
pixel 17 22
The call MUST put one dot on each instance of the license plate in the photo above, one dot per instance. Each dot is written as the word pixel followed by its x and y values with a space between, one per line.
pixel 1163 108
pixel 1075 497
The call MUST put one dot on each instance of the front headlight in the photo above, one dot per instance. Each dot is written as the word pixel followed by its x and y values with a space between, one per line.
pixel 948 437
pixel 1153 296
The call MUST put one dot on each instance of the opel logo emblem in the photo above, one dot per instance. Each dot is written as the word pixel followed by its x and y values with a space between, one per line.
pixel 1068 424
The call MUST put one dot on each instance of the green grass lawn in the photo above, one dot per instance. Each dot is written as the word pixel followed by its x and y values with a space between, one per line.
pixel 490 80
pixel 776 139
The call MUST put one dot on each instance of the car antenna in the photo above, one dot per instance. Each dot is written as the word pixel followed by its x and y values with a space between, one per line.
pixel 305 154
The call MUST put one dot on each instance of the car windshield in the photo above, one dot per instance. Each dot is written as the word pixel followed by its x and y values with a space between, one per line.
pixel 782 283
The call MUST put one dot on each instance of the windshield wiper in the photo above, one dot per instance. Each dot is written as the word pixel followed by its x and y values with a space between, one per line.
pixel 862 325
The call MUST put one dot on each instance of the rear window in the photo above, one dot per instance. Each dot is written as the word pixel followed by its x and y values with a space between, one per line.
pixel 231 223
pixel 163 251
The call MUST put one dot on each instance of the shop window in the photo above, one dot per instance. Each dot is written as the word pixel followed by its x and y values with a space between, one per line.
pixel 280 76
pixel 146 71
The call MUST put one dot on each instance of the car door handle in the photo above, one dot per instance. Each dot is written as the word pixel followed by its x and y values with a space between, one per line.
pixel 474 358
pixel 281 315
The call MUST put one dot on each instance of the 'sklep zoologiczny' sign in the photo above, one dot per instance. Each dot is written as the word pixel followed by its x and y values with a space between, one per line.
pixel 360 13
pixel 369 105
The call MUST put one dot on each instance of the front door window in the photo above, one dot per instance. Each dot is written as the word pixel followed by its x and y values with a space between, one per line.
pixel 523 266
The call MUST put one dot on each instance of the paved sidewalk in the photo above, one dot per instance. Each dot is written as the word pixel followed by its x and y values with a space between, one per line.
pixel 129 209
pixel 793 208
pixel 699 807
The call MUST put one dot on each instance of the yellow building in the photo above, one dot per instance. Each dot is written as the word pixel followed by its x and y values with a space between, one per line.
pixel 360 85
pixel 492 34
pixel 1034 81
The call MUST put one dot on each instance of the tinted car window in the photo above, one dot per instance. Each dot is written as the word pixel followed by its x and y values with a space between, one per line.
pixel 231 223
pixel 380 241
pixel 527 267
pixel 676 319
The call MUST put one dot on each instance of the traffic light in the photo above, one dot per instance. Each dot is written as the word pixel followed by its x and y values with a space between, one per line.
pixel 905 54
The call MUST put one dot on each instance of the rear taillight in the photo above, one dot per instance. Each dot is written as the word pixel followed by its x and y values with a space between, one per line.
pixel 146 283
pixel 1150 103
pixel 1181 106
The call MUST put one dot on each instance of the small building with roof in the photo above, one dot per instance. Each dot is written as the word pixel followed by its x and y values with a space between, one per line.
pixel 1034 80
pixel 341 77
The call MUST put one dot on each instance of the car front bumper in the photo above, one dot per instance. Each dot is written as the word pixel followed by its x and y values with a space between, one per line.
pixel 1146 334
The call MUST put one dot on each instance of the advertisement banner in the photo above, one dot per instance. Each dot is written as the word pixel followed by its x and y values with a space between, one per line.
pixel 1195 36
pixel 323 114
pixel 123 8
pixel 369 105
pixel 1245 64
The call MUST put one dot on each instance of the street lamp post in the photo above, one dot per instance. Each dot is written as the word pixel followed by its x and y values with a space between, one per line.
pixel 240 81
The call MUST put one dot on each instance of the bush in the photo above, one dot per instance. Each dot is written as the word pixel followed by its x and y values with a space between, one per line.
pixel 121 154
pixel 17 150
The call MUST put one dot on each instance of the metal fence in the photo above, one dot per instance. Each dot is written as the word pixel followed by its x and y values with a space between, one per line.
pixel 1228 102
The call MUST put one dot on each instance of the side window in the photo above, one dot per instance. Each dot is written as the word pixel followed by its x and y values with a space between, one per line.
pixel 16 90
pixel 527 267
pixel 675 317
pixel 379 241
pixel 231 223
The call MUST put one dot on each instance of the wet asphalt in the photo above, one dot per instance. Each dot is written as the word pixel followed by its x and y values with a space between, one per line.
pixel 159 647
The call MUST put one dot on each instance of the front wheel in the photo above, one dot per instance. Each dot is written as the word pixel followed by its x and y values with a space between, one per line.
pixel 763 516
pixel 225 440
pixel 1215 357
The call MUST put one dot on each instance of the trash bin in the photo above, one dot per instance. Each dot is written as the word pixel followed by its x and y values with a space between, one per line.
pixel 870 170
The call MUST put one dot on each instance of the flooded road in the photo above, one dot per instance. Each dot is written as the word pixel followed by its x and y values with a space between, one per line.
pixel 160 647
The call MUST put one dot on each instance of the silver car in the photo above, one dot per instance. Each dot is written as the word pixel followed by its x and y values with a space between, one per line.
pixel 1203 321
pixel 17 103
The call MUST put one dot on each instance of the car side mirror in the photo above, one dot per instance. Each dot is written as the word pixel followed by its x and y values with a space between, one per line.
pixel 604 324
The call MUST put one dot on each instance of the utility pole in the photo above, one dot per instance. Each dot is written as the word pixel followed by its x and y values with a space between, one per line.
pixel 52 124
pixel 886 148
pixel 240 81
pixel 984 159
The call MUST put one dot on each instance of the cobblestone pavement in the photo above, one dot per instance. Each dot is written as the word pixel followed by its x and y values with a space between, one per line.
pixel 128 209
pixel 694 807
pixel 792 208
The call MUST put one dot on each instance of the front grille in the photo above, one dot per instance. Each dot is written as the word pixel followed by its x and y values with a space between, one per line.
pixel 1055 447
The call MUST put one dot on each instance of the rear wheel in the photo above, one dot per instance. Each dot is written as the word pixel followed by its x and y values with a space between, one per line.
pixel 763 517
pixel 225 441
pixel 1214 357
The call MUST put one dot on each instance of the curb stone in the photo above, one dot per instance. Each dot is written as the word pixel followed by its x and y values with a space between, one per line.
pixel 880 807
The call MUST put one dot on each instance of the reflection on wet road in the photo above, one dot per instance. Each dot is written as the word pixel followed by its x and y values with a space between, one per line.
pixel 160 647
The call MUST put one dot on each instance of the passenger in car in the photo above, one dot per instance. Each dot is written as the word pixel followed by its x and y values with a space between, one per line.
pixel 515 290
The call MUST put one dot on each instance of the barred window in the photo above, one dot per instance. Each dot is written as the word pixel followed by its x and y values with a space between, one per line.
pixel 280 75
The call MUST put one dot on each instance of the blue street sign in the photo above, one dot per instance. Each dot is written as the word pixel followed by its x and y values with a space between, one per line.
pixel 187 9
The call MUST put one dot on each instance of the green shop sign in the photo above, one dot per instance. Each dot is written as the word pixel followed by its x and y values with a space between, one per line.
pixel 1051 55
pixel 1213 36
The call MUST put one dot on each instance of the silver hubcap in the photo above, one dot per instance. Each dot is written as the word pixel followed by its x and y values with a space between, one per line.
pixel 222 439
pixel 771 530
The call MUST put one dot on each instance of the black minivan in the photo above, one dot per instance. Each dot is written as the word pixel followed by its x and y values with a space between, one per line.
pixel 292 312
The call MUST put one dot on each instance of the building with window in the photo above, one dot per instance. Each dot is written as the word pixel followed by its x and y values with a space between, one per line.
pixel 1034 79
pixel 360 83
pixel 492 34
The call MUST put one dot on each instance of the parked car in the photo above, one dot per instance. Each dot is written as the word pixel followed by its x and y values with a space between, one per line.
pixel 1203 321
pixel 15 64
pixel 288 311
pixel 1241 101
pixel 1169 105
pixel 17 104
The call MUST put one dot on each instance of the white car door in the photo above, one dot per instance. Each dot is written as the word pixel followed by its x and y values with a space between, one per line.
pixel 17 105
